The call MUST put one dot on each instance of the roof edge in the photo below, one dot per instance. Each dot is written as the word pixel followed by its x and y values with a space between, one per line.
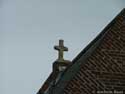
pixel 61 84
pixel 98 36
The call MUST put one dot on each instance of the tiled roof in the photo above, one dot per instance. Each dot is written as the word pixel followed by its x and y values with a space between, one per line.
pixel 101 64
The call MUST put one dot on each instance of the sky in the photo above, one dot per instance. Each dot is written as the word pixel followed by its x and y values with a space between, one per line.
pixel 30 28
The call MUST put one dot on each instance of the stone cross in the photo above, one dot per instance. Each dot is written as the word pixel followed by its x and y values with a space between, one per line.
pixel 61 49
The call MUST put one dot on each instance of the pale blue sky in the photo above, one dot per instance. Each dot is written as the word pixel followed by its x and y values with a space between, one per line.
pixel 30 28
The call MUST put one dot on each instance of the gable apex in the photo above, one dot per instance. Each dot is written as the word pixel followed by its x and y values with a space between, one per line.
pixel 107 41
pixel 85 53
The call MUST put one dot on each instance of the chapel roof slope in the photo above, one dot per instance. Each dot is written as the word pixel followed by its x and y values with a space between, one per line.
pixel 69 73
pixel 102 33
pixel 72 71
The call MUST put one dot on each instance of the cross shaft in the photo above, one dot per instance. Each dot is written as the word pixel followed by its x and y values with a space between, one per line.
pixel 61 48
